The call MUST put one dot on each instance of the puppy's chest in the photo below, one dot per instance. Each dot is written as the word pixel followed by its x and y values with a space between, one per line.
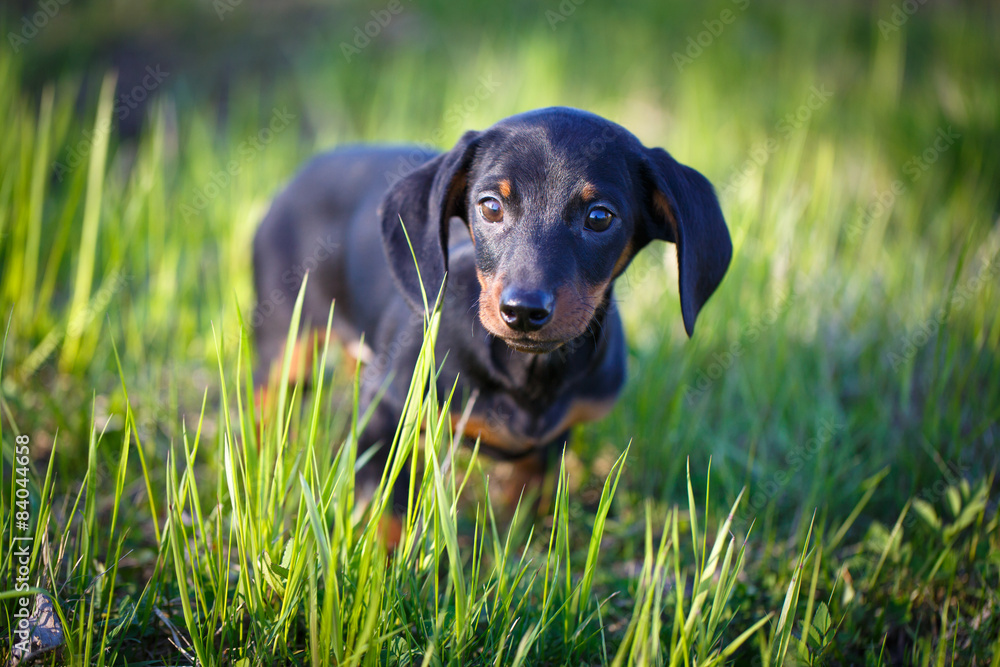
pixel 503 425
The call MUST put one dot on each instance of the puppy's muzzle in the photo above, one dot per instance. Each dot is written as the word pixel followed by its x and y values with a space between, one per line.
pixel 525 310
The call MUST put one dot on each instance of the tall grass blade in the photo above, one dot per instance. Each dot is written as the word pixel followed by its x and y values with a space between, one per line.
pixel 87 257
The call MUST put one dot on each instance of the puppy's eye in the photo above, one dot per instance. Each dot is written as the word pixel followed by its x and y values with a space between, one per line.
pixel 492 209
pixel 599 219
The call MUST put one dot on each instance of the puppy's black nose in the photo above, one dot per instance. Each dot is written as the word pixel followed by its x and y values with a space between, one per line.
pixel 525 310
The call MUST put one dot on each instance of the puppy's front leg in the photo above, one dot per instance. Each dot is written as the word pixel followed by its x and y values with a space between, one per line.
pixel 524 480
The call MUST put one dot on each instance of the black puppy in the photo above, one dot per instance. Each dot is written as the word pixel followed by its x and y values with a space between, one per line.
pixel 532 220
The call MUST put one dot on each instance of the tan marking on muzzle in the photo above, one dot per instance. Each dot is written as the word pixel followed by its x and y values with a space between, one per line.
pixel 489 303
pixel 574 309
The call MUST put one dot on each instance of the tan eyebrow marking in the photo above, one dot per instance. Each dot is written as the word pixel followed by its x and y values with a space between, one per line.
pixel 504 187
pixel 589 192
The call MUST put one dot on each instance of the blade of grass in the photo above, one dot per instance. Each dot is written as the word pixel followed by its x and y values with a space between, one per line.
pixel 597 535
pixel 91 219
pixel 787 618
pixel 36 203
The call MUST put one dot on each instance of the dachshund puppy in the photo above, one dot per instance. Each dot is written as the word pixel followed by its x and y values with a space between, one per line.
pixel 531 221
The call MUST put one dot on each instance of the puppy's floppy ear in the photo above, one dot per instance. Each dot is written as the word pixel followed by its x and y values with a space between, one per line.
pixel 425 199
pixel 684 210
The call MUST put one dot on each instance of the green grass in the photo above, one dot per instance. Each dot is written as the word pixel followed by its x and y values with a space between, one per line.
pixel 809 480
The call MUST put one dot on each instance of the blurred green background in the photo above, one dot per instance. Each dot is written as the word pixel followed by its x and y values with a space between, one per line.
pixel 854 145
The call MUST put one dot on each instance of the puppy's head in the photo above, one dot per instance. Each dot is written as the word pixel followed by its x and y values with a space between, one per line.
pixel 558 202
